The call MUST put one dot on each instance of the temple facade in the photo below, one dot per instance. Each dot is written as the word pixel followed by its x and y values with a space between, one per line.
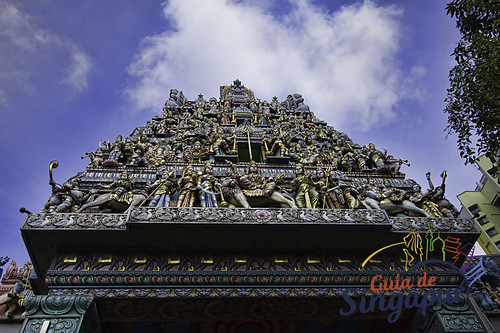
pixel 234 214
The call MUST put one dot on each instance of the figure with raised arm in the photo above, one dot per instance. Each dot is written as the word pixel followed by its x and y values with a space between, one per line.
pixel 326 187
pixel 437 196
pixel 162 189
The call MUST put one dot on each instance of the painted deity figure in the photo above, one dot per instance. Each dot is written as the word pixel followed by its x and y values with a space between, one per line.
pixel 212 105
pixel 198 153
pixel 74 197
pixel 65 198
pixel 59 193
pixel 117 149
pixel 224 118
pixel 188 187
pixel 121 188
pixel 96 158
pixel 437 196
pixel 394 202
pixel 372 195
pixel 279 148
pixel 137 158
pixel 220 146
pixel 162 189
pixel 157 156
pixel 348 162
pixel 391 194
pixel 326 188
pixel 376 157
pixel 307 196
pixel 14 298
pixel 207 184
pixel 422 200
pixel 352 195
pixel 296 155
pixel 394 164
pixel 254 184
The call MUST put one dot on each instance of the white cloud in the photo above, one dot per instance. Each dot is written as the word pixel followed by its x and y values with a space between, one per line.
pixel 409 85
pixel 15 27
pixel 79 69
pixel 342 62
pixel 29 51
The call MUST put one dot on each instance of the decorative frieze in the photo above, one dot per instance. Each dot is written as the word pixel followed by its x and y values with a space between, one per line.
pixel 75 221
pixel 246 216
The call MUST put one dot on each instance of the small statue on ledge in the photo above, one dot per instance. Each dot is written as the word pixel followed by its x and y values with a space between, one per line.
pixel 437 196
pixel 253 190
pixel 253 184
pixel 307 196
pixel 207 183
pixel 117 151
pixel 162 189
pixel 188 187
pixel 13 299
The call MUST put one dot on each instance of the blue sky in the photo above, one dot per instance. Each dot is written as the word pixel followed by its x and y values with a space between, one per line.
pixel 73 73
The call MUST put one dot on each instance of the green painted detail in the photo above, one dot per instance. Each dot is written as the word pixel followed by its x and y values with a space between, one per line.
pixel 483 204
pixel 61 314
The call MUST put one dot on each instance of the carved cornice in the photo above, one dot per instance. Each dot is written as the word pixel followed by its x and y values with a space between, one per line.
pixel 224 292
pixel 75 221
pixel 260 216
pixel 420 224
pixel 143 175
pixel 247 216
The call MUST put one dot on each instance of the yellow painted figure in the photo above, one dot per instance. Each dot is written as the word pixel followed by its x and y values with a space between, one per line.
pixel 422 201
pixel 253 184
pixel 188 185
pixel 326 187
pixel 122 188
pixel 307 196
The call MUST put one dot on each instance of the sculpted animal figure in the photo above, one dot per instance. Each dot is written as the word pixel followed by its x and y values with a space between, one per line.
pixel 390 199
pixel 120 198
pixel 402 207
pixel 235 196
pixel 13 299
pixel 108 204
pixel 394 209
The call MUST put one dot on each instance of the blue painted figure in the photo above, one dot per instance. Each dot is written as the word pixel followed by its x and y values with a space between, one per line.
pixel 162 189
pixel 208 183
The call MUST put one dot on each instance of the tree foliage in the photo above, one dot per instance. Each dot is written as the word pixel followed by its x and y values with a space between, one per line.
pixel 473 100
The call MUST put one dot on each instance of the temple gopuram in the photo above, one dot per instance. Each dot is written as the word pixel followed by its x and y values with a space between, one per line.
pixel 242 215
